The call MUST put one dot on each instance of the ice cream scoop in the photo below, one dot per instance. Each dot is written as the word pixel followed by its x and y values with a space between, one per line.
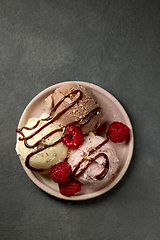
pixel 39 143
pixel 93 161
pixel 74 103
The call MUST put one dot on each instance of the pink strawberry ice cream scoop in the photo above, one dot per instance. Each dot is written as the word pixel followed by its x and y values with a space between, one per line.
pixel 72 103
pixel 94 161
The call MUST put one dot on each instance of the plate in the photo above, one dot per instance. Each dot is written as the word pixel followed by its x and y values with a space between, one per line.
pixel 112 111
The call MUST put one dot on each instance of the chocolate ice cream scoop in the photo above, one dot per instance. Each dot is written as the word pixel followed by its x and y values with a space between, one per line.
pixel 74 104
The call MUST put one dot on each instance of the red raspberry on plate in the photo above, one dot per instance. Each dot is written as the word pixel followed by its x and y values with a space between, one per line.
pixel 118 132
pixel 61 173
pixel 72 137
pixel 71 188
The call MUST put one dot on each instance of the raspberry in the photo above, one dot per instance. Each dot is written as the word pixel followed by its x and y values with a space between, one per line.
pixel 61 173
pixel 118 132
pixel 71 188
pixel 72 137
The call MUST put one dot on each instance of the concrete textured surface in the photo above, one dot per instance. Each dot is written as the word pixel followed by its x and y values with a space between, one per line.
pixel 114 44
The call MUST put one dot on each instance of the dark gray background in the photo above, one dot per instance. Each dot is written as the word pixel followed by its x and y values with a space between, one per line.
pixel 114 44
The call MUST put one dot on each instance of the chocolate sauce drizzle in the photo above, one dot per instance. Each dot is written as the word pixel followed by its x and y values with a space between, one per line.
pixel 81 122
pixel 91 160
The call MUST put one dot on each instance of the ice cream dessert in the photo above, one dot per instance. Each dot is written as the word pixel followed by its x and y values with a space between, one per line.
pixel 65 136
pixel 93 161
pixel 39 143
pixel 75 104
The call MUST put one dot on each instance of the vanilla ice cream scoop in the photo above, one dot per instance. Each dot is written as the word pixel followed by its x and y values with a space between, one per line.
pixel 39 143
pixel 94 161
pixel 75 103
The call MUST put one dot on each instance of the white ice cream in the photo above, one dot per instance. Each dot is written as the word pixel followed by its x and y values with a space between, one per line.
pixel 48 157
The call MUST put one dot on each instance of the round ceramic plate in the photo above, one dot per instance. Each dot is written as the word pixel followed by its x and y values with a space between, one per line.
pixel 113 111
